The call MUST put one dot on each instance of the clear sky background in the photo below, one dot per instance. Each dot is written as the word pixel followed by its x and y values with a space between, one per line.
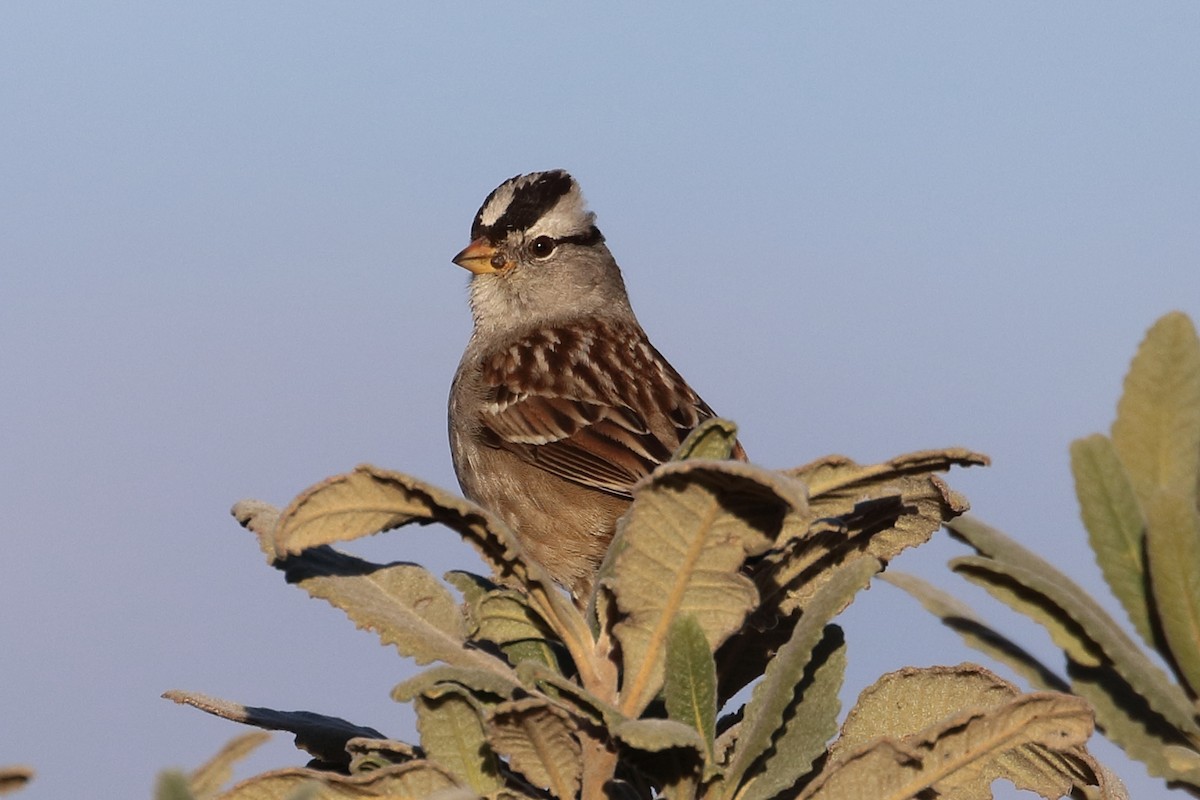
pixel 225 241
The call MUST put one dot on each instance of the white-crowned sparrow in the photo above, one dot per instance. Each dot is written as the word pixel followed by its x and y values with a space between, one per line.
pixel 560 403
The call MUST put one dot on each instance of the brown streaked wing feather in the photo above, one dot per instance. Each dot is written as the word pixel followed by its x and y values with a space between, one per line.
pixel 587 430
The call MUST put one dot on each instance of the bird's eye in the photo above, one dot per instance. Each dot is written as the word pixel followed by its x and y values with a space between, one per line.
pixel 542 246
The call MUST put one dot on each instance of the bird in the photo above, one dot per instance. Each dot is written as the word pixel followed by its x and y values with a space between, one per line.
pixel 560 403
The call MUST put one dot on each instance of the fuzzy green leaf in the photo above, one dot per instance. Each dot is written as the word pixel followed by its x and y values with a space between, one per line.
pixel 952 731
pixel 477 681
pixel 539 741
pixel 412 779
pixel 404 604
pixel 775 694
pixel 1038 589
pixel 712 438
pixel 370 500
pixel 809 723
pixel 1115 525
pixel 858 511
pixel 690 686
pixel 1130 723
pixel 1173 550
pixel 171 784
pixel 680 550
pixel 450 722
pixel 654 735
pixel 506 619
pixel 1157 430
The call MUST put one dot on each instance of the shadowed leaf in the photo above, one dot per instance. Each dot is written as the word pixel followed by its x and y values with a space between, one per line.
pixel 539 742
pixel 809 723
pixel 322 736
pixel 450 722
pixel 775 694
pixel 953 731
pixel 690 686
pixel 680 550
pixel 1052 594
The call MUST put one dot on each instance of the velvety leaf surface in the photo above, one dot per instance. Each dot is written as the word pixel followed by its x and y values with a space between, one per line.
pixel 1157 436
pixel 953 731
pixel 1115 525
pixel 775 694
pixel 690 686
pixel 410 780
pixel 680 550
pixel 809 723
pixel 539 742
pixel 1049 592
pixel 450 722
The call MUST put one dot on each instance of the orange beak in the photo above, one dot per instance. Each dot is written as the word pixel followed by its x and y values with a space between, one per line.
pixel 481 257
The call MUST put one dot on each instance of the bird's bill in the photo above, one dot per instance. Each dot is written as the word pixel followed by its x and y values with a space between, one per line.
pixel 480 257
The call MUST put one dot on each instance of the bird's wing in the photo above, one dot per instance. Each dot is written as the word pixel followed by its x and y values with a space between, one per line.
pixel 599 407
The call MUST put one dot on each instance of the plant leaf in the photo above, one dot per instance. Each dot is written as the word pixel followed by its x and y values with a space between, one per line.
pixel 506 620
pixel 477 681
pixel 539 742
pixel 775 694
pixel 681 546
pixel 958 617
pixel 1056 595
pixel 952 731
pixel 858 511
pixel 206 780
pixel 370 500
pixel 1173 550
pixel 712 438
pixel 404 604
pixel 450 722
pixel 1157 430
pixel 690 685
pixel 171 784
pixel 412 779
pixel 1129 722
pixel 1115 525
pixel 322 736
pixel 809 722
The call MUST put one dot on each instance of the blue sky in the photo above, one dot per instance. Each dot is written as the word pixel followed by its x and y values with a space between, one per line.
pixel 225 252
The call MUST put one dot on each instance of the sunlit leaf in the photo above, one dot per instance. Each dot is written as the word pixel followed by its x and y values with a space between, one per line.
pixel 409 780
pixel 952 731
pixel 681 548
pixel 712 438
pixel 1173 550
pixel 1057 595
pixel 1157 430
pixel 1115 525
